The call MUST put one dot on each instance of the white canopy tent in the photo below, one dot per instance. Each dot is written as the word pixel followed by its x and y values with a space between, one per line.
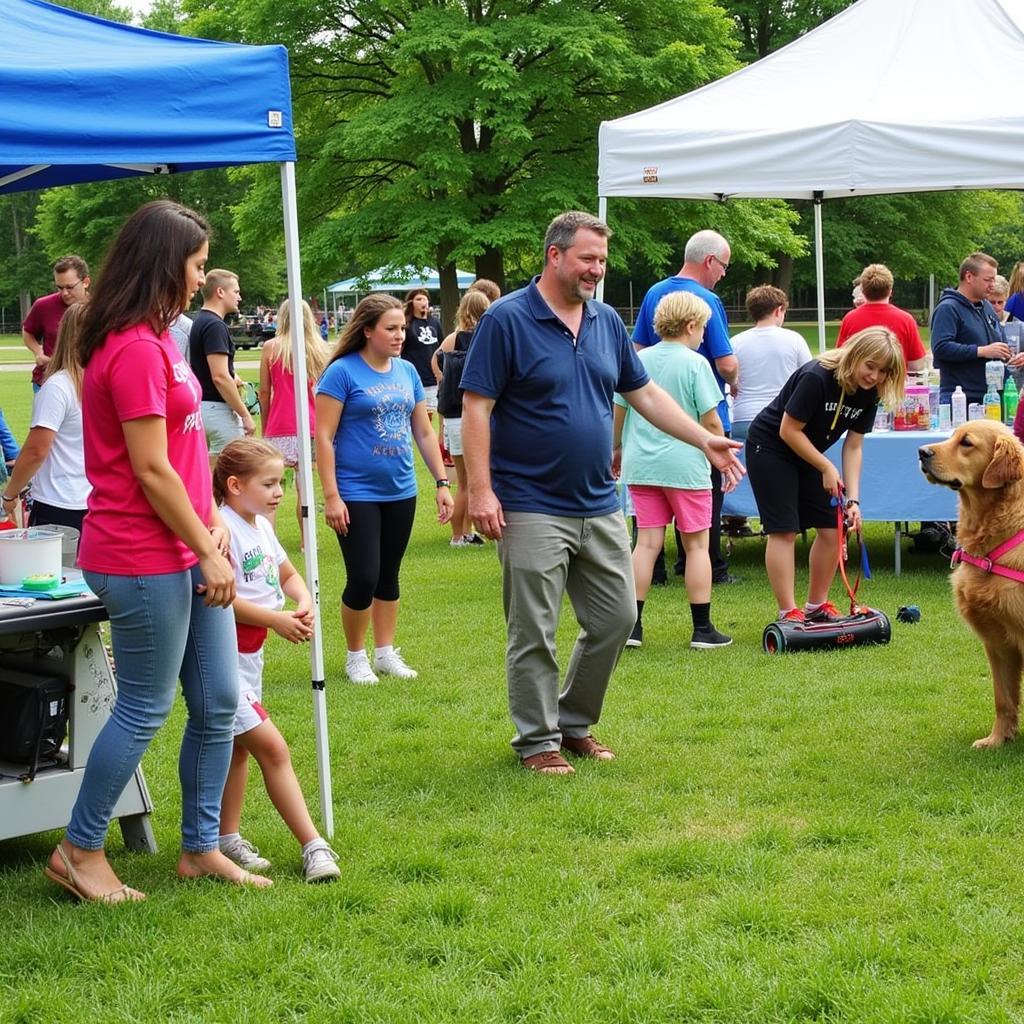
pixel 887 96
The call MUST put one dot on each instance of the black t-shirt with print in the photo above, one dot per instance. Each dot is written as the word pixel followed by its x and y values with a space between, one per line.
pixel 813 396
pixel 421 340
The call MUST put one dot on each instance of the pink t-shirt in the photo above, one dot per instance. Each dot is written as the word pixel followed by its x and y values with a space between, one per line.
pixel 280 420
pixel 136 374
pixel 43 323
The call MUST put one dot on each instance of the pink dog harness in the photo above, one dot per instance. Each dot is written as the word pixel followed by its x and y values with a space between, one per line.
pixel 988 563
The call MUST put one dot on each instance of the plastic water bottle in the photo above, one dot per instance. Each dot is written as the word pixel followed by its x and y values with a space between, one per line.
pixel 1011 397
pixel 994 370
pixel 993 407
pixel 958 401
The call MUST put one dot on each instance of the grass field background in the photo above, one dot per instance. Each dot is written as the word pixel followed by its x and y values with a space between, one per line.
pixel 797 838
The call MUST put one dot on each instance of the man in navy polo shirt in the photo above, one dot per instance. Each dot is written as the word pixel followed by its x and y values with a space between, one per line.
pixel 537 438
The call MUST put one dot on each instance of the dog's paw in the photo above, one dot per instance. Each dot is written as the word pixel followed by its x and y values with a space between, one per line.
pixel 993 739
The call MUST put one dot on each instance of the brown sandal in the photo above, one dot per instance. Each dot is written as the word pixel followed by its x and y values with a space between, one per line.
pixel 548 762
pixel 123 894
pixel 587 746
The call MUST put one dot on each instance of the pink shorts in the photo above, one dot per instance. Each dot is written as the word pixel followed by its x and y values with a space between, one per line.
pixel 658 506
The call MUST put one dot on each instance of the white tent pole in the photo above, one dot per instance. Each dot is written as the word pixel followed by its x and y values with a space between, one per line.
pixel 819 270
pixel 304 482
pixel 602 214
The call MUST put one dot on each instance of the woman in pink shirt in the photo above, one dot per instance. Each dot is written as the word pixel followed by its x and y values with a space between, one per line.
pixel 277 386
pixel 153 550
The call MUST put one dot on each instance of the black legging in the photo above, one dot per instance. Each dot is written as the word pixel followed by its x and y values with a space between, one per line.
pixel 378 534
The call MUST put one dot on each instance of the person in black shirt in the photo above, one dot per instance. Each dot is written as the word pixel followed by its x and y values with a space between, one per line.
pixel 792 479
pixel 422 336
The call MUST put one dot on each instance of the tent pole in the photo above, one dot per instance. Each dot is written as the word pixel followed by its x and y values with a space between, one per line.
pixel 602 214
pixel 304 482
pixel 819 270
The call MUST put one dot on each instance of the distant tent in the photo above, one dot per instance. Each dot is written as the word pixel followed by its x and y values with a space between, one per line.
pixel 383 281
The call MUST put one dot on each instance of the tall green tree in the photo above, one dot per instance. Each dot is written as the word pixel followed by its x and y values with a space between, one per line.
pixel 448 133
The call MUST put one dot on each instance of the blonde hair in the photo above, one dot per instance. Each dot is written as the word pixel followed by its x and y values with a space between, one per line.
pixel 217 279
pixel 1017 278
pixel 881 346
pixel 1000 286
pixel 317 353
pixel 473 306
pixel 676 310
pixel 65 350
pixel 241 458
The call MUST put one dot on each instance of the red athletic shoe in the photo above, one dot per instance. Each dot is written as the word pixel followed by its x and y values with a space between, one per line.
pixel 793 615
pixel 828 612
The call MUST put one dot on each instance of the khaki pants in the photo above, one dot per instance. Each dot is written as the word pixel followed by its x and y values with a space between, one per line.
pixel 543 557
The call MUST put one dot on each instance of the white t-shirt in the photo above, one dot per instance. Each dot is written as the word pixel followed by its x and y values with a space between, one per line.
pixel 768 357
pixel 61 480
pixel 256 554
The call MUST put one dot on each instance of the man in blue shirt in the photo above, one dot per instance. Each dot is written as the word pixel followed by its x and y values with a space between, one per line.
pixel 705 261
pixel 537 438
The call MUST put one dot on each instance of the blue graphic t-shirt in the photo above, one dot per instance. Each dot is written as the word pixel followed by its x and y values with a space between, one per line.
pixel 373 444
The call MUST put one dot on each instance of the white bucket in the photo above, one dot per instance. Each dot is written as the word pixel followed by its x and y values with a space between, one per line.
pixel 28 553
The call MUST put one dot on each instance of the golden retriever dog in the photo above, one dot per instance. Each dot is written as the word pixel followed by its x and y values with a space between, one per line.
pixel 984 463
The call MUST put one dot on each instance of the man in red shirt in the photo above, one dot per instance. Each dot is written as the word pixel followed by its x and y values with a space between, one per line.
pixel 876 283
pixel 39 328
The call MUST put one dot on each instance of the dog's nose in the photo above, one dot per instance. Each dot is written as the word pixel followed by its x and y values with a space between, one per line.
pixel 925 454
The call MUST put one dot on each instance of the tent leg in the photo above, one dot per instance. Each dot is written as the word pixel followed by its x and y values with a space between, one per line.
pixel 819 270
pixel 304 482
pixel 602 214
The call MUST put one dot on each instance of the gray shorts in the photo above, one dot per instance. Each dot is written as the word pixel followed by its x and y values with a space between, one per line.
pixel 222 424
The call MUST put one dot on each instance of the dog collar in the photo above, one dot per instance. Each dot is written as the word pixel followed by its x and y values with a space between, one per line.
pixel 988 563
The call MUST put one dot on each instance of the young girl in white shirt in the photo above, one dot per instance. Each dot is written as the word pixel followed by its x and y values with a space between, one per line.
pixel 247 483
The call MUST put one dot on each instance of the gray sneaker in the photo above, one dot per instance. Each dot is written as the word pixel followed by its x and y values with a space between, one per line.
pixel 320 864
pixel 245 855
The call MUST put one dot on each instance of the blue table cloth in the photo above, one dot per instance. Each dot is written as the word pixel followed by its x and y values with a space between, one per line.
pixel 892 486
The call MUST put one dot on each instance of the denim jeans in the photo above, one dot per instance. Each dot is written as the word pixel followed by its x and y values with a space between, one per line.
pixel 162 630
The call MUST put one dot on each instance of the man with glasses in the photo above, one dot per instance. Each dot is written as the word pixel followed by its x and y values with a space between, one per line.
pixel 705 262
pixel 39 328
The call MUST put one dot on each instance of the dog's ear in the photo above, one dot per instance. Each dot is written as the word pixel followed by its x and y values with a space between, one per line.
pixel 1007 463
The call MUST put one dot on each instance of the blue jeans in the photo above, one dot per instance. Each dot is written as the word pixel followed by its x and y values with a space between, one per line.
pixel 161 629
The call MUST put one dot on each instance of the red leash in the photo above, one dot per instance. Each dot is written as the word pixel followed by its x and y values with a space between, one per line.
pixel 844 531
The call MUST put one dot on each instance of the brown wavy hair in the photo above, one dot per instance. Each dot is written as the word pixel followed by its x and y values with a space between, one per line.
pixel 364 316
pixel 143 276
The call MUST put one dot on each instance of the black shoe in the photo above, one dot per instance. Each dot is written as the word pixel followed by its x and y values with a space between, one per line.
pixel 706 639
pixel 636 638
pixel 726 577
pixel 680 569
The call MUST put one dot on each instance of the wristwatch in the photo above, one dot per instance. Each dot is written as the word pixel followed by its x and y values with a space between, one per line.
pixel 443 483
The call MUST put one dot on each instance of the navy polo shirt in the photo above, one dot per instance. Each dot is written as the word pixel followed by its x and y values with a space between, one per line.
pixel 551 426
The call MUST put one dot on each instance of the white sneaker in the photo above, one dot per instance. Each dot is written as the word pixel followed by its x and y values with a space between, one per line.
pixel 458 542
pixel 393 664
pixel 320 864
pixel 358 670
pixel 245 855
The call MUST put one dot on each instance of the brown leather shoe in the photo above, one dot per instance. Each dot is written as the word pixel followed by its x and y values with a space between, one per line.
pixel 547 762
pixel 587 746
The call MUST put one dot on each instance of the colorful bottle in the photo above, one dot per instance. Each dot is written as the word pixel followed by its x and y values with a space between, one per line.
pixel 958 401
pixel 1011 398
pixel 993 407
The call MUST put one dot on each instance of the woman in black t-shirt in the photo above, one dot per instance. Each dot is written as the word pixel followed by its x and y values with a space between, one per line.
pixel 792 479
pixel 422 336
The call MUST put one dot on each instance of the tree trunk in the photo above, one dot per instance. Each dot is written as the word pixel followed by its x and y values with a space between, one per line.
pixel 449 288
pixel 784 274
pixel 24 296
pixel 491 265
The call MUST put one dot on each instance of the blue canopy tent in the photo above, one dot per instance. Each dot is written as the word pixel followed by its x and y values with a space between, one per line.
pixel 83 99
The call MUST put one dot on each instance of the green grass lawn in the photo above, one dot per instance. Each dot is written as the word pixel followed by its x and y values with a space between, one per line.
pixel 797 838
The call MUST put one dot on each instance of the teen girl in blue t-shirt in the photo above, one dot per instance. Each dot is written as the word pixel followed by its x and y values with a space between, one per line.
pixel 369 410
